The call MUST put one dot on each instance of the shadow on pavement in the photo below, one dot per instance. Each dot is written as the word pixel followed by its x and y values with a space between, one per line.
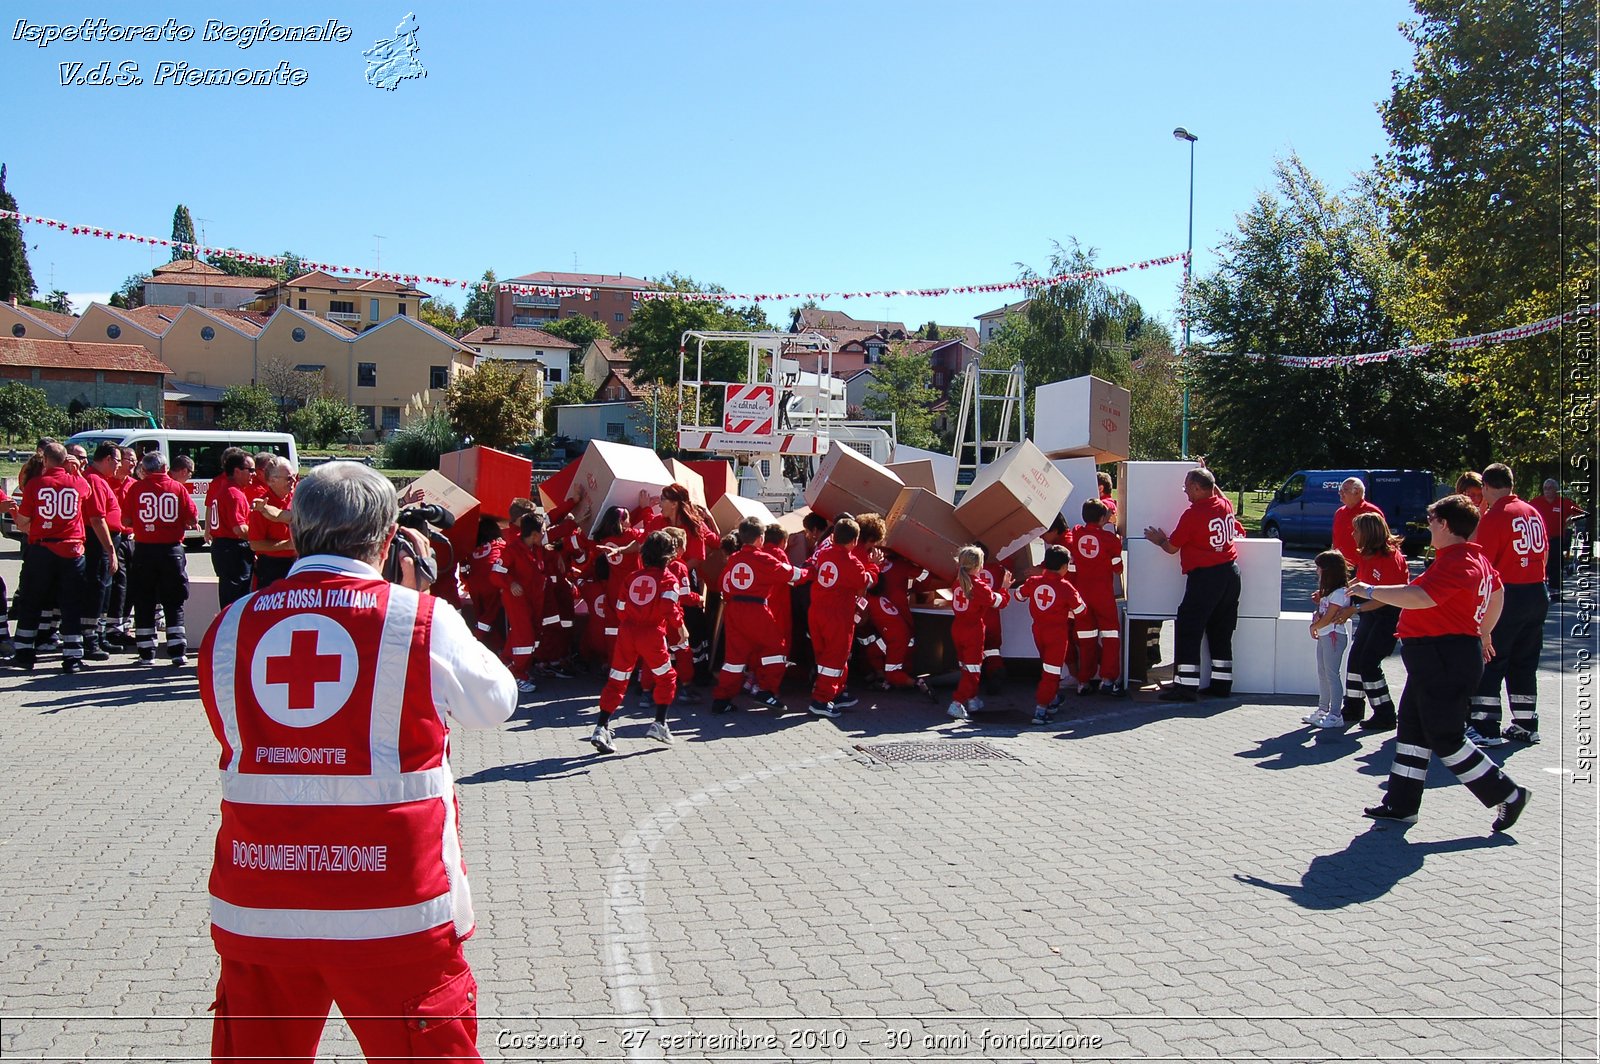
pixel 1366 869
pixel 93 689
pixel 1304 746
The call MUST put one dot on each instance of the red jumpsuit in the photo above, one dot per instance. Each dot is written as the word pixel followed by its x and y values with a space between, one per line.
pixel 751 637
pixel 1055 605
pixel 970 612
pixel 781 603
pixel 520 568
pixel 992 634
pixel 890 610
pixel 840 577
pixel 1098 554
pixel 623 568
pixel 481 588
pixel 646 611
pixel 677 636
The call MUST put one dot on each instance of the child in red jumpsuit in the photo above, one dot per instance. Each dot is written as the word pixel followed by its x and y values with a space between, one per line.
pixel 751 639
pixel 481 587
pixel 520 576
pixel 840 576
pixel 1097 552
pixel 1055 606
pixel 974 597
pixel 646 610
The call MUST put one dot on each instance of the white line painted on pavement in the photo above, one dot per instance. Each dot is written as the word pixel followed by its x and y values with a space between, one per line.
pixel 629 961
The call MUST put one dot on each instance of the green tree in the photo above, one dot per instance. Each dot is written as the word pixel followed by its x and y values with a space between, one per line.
pixel 479 307
pixel 579 330
pixel 425 435
pixel 249 408
pixel 496 404
pixel 1490 178
pixel 904 391
pixel 1309 273
pixel 183 233
pixel 1155 398
pixel 57 301
pixel 24 410
pixel 324 420
pixel 652 336
pixel 441 314
pixel 16 278
pixel 575 389
pixel 131 294
pixel 290 388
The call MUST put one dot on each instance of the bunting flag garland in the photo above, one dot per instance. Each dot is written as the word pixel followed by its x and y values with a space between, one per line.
pixel 1460 343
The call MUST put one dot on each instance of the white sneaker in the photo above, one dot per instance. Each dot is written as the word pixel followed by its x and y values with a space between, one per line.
pixel 602 740
pixel 957 711
pixel 659 732
pixel 526 686
pixel 1333 718
pixel 1312 717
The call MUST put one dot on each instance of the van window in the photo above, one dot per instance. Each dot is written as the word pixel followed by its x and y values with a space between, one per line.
pixel 1292 490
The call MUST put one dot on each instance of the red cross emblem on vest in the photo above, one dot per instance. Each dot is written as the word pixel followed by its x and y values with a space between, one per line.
pixel 742 577
pixel 1044 596
pixel 1089 546
pixel 303 669
pixel 643 590
pixel 827 574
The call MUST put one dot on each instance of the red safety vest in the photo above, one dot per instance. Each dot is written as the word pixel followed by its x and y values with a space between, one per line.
pixel 339 841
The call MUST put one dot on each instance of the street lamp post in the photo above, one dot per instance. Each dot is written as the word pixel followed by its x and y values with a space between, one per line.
pixel 1183 134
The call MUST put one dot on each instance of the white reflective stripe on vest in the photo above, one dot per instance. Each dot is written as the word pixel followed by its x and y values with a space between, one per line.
pixel 224 675
pixel 344 925
pixel 389 684
pixel 335 790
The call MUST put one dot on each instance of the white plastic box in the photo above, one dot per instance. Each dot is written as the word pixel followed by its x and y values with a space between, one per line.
pixel 1260 577
pixel 1082 416
pixel 1255 657
pixel 1151 493
pixel 1153 579
pixel 1296 672
pixel 1080 472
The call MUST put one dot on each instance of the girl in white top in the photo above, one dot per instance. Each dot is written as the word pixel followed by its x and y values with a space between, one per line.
pixel 1330 627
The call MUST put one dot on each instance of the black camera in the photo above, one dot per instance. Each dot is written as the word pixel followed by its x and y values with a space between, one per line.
pixel 423 517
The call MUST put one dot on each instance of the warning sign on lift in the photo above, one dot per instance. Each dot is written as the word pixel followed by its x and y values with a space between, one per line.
pixel 749 410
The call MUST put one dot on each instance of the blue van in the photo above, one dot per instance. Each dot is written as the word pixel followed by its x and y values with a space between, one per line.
pixel 1301 512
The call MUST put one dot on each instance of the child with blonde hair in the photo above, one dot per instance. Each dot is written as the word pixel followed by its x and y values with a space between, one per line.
pixel 974 595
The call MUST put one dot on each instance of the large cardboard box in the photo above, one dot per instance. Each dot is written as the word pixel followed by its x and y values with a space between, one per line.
pixel 1153 579
pixel 924 529
pixel 613 474
pixel 435 488
pixel 1295 660
pixel 918 474
pixel 794 521
pixel 847 481
pixel 682 474
pixel 718 478
pixel 1085 416
pixel 944 468
pixel 1080 473
pixel 1151 493
pixel 492 477
pixel 553 489
pixel 731 509
pixel 1013 499
pixel 1260 577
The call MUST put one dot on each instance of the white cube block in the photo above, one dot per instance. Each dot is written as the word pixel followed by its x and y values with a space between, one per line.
pixel 1016 631
pixel 1081 472
pixel 1153 578
pixel 1260 577
pixel 1296 671
pixel 1151 494
pixel 1254 657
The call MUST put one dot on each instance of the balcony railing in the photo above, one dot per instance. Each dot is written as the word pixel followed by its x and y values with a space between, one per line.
pixel 528 319
pixel 545 302
pixel 341 315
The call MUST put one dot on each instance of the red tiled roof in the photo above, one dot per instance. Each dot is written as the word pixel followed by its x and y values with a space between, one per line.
pixel 519 335
pixel 320 280
pixel 156 319
pixel 188 266
pixel 70 354
pixel 244 320
pixel 206 280
pixel 584 280
pixel 606 348
pixel 826 321
pixel 624 378
pixel 61 323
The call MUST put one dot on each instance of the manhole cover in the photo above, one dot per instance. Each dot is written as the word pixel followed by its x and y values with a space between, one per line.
pixel 916 752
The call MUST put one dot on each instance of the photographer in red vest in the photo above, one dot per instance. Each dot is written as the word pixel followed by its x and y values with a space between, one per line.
pixel 338 874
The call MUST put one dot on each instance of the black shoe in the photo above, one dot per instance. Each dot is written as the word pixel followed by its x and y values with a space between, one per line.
pixel 1382 811
pixel 1217 690
pixel 1511 809
pixel 71 665
pixel 117 639
pixel 1177 693
pixel 22 659
pixel 1354 709
pixel 1113 689
pixel 844 700
pixel 1378 724
pixel 94 653
pixel 768 699
pixel 722 705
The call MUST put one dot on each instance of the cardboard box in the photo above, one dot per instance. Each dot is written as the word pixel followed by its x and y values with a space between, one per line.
pixel 847 481
pixel 1260 577
pixel 1080 473
pixel 731 509
pixel 682 474
pixel 613 474
pixel 794 521
pixel 1295 659
pixel 1151 493
pixel 1153 578
pixel 552 490
pixel 1013 499
pixel 492 477
pixel 944 468
pixel 924 529
pixel 717 478
pixel 435 488
pixel 1086 417
pixel 917 474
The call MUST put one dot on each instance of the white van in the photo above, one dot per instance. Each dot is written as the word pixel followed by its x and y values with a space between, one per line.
pixel 205 447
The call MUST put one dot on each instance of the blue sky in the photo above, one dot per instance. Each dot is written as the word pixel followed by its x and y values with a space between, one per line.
pixel 764 146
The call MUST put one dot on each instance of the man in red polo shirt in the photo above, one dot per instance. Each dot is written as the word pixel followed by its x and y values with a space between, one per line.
pixel 270 540
pixel 1513 537
pixel 1558 512
pixel 1353 497
pixel 52 512
pixel 228 525
pixel 100 562
pixel 162 511
pixel 1203 541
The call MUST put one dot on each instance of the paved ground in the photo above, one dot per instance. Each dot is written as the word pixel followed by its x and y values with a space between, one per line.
pixel 1132 883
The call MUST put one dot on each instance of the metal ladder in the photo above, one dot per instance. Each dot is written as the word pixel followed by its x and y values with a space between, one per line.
pixel 973 448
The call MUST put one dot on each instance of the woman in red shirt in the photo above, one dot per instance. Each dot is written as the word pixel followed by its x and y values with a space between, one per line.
pixel 1378 562
pixel 1446 617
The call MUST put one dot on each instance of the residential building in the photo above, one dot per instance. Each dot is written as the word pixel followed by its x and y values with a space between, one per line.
pixel 611 301
pixel 622 422
pixel 600 358
pixel 20 321
pixel 837 325
pixel 186 282
pixel 989 322
pixel 77 374
pixel 351 301
pixel 525 345
pixel 192 406
pixel 617 386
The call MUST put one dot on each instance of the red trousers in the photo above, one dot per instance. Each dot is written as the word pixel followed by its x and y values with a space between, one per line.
pixel 992 635
pixel 749 641
pixel 1100 640
pixel 555 627
pixel 889 651
pixel 639 646
pixel 831 635
pixel 968 640
pixel 522 633
pixel 423 1010
pixel 486 609
pixel 682 668
pixel 1052 644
